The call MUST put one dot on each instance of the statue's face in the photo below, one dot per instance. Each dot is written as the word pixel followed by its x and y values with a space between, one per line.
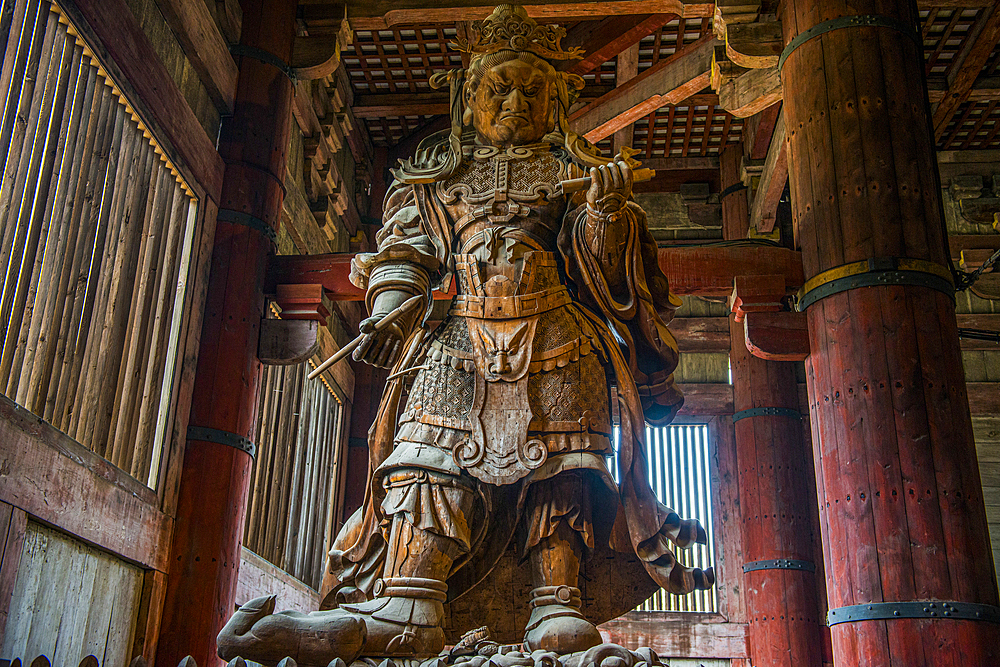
pixel 513 104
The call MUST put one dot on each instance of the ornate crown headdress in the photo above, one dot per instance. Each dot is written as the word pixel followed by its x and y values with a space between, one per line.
pixel 509 27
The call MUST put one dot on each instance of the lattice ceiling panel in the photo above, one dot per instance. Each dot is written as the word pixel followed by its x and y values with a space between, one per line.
pixel 945 32
pixel 686 130
pixel 667 40
pixel 992 67
pixel 974 126
pixel 390 130
pixel 400 60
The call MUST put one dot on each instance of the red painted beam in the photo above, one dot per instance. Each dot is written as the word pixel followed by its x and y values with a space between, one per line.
pixel 697 270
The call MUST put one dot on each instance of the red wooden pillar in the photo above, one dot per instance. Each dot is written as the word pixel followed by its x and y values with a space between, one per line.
pixel 901 505
pixel 205 552
pixel 776 486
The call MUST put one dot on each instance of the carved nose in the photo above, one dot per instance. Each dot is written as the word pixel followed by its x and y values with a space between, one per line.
pixel 500 364
pixel 514 101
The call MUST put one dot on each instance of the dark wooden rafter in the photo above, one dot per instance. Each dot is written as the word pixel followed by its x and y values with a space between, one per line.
pixel 626 67
pixel 205 47
pixel 605 39
pixel 381 14
pixel 968 66
pixel 670 81
pixel 772 182
pixel 699 270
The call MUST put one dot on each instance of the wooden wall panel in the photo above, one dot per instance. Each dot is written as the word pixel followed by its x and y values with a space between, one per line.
pixel 987 434
pixel 70 601
pixel 258 577
pixel 13 524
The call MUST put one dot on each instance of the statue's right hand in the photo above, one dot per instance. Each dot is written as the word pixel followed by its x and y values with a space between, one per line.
pixel 379 348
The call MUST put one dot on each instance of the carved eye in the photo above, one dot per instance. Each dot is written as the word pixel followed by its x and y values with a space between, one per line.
pixel 501 90
pixel 531 91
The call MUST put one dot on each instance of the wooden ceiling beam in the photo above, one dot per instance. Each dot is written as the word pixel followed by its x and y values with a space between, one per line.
pixel 968 67
pixel 670 81
pixel 383 105
pixel 604 40
pixel 626 69
pixel 772 182
pixel 696 270
pixel 984 89
pixel 381 14
pixel 206 49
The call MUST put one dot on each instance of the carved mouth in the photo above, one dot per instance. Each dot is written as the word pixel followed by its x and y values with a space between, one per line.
pixel 519 118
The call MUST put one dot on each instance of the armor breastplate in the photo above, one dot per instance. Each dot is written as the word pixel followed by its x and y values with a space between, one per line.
pixel 513 188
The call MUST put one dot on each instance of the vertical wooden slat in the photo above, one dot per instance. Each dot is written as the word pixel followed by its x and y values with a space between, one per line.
pixel 42 256
pixel 20 73
pixel 17 39
pixel 73 283
pixel 315 432
pixel 127 398
pixel 156 374
pixel 313 480
pixel 257 516
pixel 13 211
pixel 78 353
pixel 48 324
pixel 297 489
pixel 87 411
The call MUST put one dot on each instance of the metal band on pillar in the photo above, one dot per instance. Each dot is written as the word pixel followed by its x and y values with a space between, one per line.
pixel 934 609
pixel 247 220
pixel 780 564
pixel 220 437
pixel 864 21
pixel 732 189
pixel 264 57
pixel 766 412
pixel 874 272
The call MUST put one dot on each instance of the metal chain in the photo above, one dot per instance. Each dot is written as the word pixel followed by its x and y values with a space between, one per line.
pixel 966 279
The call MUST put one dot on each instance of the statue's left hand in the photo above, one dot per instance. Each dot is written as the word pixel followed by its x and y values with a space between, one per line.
pixel 610 187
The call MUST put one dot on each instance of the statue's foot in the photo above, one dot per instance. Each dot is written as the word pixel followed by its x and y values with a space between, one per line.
pixel 556 623
pixel 407 621
pixel 256 633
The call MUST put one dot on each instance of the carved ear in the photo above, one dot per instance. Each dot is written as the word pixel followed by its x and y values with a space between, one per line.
pixel 574 81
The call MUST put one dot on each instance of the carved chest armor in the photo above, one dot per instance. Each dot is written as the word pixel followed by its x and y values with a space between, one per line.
pixel 511 377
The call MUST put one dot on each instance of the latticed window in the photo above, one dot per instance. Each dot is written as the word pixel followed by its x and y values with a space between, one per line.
pixel 300 436
pixel 678 462
pixel 95 236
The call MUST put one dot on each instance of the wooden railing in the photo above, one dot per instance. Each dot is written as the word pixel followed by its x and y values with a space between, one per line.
pixel 294 483
pixel 95 235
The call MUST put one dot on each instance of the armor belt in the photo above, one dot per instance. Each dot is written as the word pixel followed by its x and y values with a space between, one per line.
pixel 510 307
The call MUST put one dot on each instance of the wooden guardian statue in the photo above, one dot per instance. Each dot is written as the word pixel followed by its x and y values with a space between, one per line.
pixel 490 501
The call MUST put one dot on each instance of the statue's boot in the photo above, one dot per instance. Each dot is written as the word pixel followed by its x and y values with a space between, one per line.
pixel 405 620
pixel 556 622
pixel 405 617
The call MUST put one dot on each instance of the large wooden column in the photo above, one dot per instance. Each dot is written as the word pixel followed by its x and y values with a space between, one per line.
pixel 901 505
pixel 776 486
pixel 205 553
